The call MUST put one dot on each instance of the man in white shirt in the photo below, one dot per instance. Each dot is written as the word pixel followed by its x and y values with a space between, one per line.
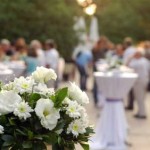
pixel 142 67
pixel 128 53
pixel 129 49
pixel 51 55
pixel 52 58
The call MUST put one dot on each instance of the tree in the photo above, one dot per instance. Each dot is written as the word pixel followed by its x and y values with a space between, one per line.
pixel 121 18
pixel 36 19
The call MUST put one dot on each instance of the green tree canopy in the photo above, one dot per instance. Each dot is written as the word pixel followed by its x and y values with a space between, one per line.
pixel 121 18
pixel 36 19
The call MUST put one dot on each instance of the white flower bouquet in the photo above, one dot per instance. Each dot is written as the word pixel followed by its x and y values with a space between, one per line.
pixel 33 115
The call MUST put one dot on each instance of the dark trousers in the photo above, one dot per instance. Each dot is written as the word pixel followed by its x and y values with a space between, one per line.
pixel 95 92
pixel 131 100
pixel 83 77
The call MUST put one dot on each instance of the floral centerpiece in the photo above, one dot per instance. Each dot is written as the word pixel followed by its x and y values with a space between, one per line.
pixel 33 115
pixel 114 63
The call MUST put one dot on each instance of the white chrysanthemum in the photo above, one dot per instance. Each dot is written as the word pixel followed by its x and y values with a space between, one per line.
pixel 73 109
pixel 8 101
pixel 75 93
pixel 8 87
pixel 23 84
pixel 47 113
pixel 1 129
pixel 76 127
pixel 43 75
pixel 23 110
pixel 43 89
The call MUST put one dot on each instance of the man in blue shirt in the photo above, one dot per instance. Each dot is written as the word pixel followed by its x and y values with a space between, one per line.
pixel 83 59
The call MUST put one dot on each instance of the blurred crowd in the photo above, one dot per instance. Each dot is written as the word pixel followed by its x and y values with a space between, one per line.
pixel 135 56
pixel 33 54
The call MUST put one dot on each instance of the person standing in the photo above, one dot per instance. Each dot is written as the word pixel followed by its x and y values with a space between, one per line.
pixel 31 61
pixel 99 52
pixel 129 49
pixel 147 49
pixel 142 67
pixel 128 53
pixel 147 55
pixel 52 56
pixel 6 46
pixel 83 59
pixel 35 44
pixel 21 49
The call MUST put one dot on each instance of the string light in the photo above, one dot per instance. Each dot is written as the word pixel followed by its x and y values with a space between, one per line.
pixel 91 9
pixel 84 3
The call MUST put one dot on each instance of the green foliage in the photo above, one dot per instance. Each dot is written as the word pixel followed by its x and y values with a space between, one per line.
pixel 29 134
pixel 36 19
pixel 60 96
pixel 121 18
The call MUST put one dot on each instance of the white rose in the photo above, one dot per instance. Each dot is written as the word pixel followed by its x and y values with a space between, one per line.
pixel 22 84
pixel 43 89
pixel 23 110
pixel 84 98
pixel 43 75
pixel 47 113
pixel 8 101
pixel 1 129
pixel 75 93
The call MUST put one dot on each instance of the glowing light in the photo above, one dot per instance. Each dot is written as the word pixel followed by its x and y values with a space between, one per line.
pixel 91 9
pixel 84 3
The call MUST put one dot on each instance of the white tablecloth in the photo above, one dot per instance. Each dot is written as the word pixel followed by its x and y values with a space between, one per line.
pixel 18 67
pixel 111 131
pixel 6 75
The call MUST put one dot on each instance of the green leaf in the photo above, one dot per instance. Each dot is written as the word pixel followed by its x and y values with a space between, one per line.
pixel 27 144
pixel 12 122
pixel 30 134
pixel 5 148
pixel 7 138
pixel 3 120
pixel 60 125
pixel 38 137
pixel 6 144
pixel 33 99
pixel 21 132
pixel 50 138
pixel 59 140
pixel 85 146
pixel 60 96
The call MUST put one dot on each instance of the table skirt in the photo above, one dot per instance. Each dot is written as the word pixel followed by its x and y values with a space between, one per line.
pixel 111 130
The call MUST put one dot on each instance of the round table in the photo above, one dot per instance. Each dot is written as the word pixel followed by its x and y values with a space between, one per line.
pixel 6 75
pixel 111 130
pixel 18 67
